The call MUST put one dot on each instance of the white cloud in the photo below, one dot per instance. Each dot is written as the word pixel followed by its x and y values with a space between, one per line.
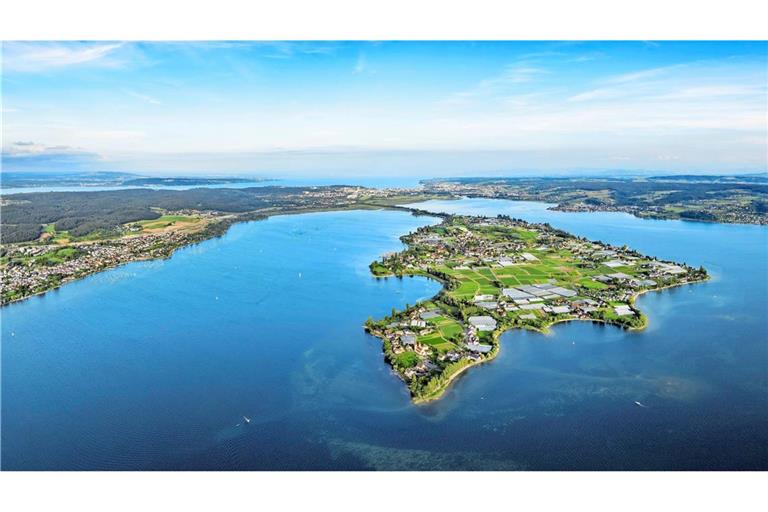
pixel 35 57
pixel 700 81
pixel 644 74
pixel 144 97
pixel 505 83
pixel 287 49
pixel 32 149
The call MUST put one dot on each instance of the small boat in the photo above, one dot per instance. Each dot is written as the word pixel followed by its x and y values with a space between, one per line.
pixel 639 404
pixel 246 419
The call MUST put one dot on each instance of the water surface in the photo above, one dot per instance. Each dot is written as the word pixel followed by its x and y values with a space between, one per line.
pixel 154 364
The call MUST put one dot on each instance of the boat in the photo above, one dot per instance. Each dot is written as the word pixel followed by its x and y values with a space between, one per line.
pixel 247 419
pixel 639 404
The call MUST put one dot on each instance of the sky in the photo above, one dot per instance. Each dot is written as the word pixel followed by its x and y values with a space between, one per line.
pixel 384 108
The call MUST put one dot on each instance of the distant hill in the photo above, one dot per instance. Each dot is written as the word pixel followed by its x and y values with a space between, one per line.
pixel 108 179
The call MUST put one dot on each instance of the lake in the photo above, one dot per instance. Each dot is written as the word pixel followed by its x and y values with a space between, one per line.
pixel 154 364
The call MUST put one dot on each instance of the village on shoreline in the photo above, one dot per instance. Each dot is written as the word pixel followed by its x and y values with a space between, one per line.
pixel 499 274
pixel 58 256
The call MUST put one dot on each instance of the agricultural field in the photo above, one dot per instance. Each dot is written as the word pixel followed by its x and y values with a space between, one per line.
pixel 447 332
pixel 167 221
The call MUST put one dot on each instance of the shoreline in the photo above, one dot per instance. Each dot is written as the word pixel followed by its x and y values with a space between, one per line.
pixel 222 227
pixel 559 207
pixel 230 220
pixel 545 329
pixel 496 337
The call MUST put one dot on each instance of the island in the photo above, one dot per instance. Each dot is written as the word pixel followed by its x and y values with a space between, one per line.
pixel 500 273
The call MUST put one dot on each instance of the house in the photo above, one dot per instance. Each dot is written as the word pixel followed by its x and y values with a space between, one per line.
pixel 514 293
pixel 487 305
pixel 535 290
pixel 559 310
pixel 418 323
pixel 430 239
pixel 668 268
pixel 430 315
pixel 623 310
pixel 408 339
pixel 483 298
pixel 479 347
pixel 617 263
pixel 482 323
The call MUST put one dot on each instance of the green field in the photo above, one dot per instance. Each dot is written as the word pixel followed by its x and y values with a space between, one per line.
pixel 560 266
pixel 165 221
pixel 446 328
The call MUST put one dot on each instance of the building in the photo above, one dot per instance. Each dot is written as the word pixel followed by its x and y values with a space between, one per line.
pixel 483 323
pixel 479 347
pixel 514 293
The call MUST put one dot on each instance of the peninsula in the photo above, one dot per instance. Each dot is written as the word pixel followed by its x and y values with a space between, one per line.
pixel 708 198
pixel 501 273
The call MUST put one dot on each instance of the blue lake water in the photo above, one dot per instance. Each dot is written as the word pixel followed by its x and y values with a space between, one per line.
pixel 153 365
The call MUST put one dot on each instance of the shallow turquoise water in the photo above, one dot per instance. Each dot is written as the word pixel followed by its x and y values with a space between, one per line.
pixel 152 365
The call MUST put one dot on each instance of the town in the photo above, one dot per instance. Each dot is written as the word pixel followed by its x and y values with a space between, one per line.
pixel 52 238
pixel 502 273
pixel 29 269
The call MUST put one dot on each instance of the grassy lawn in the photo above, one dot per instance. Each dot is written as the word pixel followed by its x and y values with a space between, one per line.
pixel 449 327
pixel 406 359
pixel 56 256
pixel 593 285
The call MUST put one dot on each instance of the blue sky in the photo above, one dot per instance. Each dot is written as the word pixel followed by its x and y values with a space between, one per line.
pixel 430 108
